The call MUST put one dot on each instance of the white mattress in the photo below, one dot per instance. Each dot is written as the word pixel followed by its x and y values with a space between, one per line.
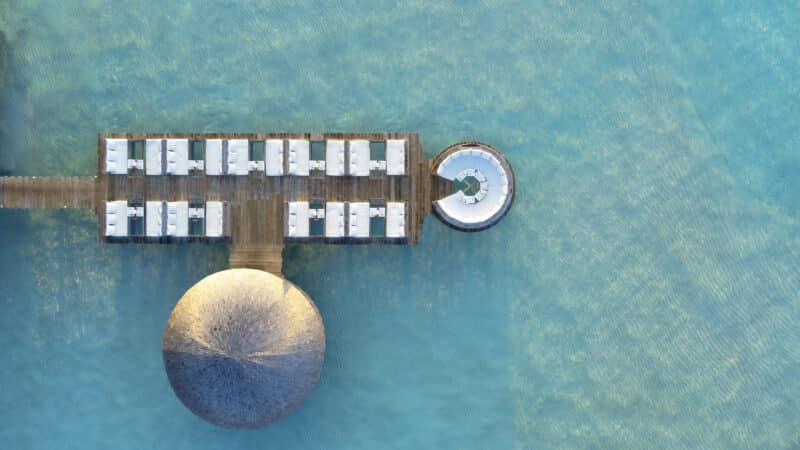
pixel 298 157
pixel 297 222
pixel 238 157
pixel 359 220
pixel 334 219
pixel 154 216
pixel 152 155
pixel 178 219
pixel 359 158
pixel 213 156
pixel 334 158
pixel 273 152
pixel 214 219
pixel 117 157
pixel 395 157
pixel 117 218
pixel 178 156
pixel 395 219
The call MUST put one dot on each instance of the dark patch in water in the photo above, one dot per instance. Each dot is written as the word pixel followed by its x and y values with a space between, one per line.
pixel 13 119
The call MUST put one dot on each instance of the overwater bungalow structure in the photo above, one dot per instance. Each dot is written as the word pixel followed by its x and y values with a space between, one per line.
pixel 257 192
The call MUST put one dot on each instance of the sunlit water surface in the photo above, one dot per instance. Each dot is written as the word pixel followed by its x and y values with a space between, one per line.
pixel 642 292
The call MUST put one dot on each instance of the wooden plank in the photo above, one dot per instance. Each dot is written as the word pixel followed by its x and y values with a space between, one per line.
pixel 47 192
pixel 261 257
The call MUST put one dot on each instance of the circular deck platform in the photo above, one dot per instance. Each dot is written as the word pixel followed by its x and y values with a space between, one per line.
pixel 483 186
pixel 243 348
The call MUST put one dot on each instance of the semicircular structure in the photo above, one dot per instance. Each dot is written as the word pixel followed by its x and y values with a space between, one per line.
pixel 483 186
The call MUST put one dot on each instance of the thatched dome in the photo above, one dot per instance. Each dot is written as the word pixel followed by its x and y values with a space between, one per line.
pixel 243 348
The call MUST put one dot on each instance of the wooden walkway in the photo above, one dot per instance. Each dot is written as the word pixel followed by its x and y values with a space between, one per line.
pixel 47 192
pixel 255 219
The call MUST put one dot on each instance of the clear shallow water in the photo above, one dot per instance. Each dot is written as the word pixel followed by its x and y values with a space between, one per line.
pixel 642 293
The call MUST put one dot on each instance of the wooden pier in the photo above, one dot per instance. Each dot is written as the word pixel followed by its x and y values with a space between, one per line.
pixel 256 204
pixel 48 192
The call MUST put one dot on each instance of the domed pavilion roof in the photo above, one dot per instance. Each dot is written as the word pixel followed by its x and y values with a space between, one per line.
pixel 243 348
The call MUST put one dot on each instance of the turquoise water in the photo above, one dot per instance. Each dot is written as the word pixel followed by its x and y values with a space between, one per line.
pixel 643 292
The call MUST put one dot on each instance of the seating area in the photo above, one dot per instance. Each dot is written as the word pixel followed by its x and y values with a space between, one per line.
pixel 395 157
pixel 359 158
pixel 196 157
pixel 124 219
pixel 275 157
pixel 316 164
pixel 299 157
pixel 154 162
pixel 137 164
pixel 395 220
pixel 155 215
pixel 214 215
pixel 213 157
pixel 346 219
pixel 377 165
pixel 492 195
pixel 116 156
pixel 297 220
pixel 117 218
pixel 178 156
pixel 336 188
pixel 178 219
pixel 483 187
pixel 255 156
pixel 334 158
pixel 334 219
pixel 273 153
pixel 358 226
pixel 135 218
pixel 236 157
pixel 135 157
pixel 174 219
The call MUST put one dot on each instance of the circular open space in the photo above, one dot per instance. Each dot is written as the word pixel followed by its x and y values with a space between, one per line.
pixel 483 186
pixel 243 348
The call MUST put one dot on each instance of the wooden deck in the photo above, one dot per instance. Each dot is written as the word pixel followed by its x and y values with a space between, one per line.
pixel 255 203
pixel 47 192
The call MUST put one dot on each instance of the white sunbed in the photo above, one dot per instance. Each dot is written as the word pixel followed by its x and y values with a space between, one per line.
pixel 117 156
pixel 395 219
pixel 273 153
pixel 154 219
pixel 334 158
pixel 359 158
pixel 299 154
pixel 334 219
pixel 359 220
pixel 238 157
pixel 153 157
pixel 297 222
pixel 213 157
pixel 214 219
pixel 178 156
pixel 178 219
pixel 396 157
pixel 117 218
